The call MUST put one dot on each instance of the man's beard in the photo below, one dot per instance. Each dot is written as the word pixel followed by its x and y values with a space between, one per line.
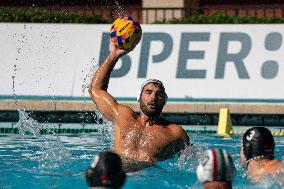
pixel 150 112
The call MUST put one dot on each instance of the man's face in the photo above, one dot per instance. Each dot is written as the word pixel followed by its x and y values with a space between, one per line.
pixel 152 100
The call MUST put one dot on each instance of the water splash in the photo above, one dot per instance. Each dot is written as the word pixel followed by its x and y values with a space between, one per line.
pixel 89 76
pixel 119 8
pixel 21 41
pixel 107 128
pixel 13 90
pixel 115 6
pixel 27 124
pixel 13 84
pixel 271 182
pixel 189 158
pixel 52 152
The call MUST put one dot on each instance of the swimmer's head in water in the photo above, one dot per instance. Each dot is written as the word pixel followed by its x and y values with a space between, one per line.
pixel 152 97
pixel 106 171
pixel 258 142
pixel 216 165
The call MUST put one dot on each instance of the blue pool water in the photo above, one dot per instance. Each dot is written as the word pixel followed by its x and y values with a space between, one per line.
pixel 60 161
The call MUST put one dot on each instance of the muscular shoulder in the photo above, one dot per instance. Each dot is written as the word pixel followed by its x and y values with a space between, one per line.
pixel 178 131
pixel 125 114
pixel 125 110
pixel 276 166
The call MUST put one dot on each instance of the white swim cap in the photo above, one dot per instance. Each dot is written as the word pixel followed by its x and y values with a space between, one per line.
pixel 216 165
pixel 152 81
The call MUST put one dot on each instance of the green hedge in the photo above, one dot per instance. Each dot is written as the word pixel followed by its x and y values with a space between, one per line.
pixel 222 19
pixel 44 16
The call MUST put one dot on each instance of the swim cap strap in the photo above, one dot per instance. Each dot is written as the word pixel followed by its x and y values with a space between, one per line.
pixel 260 157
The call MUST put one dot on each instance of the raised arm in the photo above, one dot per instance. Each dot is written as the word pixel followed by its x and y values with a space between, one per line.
pixel 107 105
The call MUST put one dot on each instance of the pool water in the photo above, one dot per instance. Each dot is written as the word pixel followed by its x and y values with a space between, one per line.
pixel 60 161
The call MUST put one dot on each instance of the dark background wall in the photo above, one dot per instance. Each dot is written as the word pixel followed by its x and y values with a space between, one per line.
pixel 67 2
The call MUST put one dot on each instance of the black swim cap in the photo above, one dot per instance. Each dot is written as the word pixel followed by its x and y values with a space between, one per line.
pixel 258 142
pixel 106 171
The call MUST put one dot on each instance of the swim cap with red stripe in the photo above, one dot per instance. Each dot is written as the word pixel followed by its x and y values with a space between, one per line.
pixel 216 165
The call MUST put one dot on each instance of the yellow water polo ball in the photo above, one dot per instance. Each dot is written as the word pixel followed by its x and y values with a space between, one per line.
pixel 125 33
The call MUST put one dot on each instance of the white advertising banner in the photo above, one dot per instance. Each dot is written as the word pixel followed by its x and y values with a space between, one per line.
pixel 241 63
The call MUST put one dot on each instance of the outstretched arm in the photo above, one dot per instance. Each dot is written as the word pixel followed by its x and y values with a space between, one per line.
pixel 107 105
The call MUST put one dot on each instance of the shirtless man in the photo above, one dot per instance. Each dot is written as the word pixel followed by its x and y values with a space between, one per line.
pixel 147 137
pixel 257 154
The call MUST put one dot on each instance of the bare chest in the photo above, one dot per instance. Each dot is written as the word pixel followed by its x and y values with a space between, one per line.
pixel 150 138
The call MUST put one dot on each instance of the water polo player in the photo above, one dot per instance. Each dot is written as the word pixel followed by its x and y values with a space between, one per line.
pixel 216 169
pixel 147 137
pixel 105 171
pixel 257 153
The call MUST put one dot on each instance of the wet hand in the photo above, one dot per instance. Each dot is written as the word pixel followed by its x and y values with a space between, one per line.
pixel 117 52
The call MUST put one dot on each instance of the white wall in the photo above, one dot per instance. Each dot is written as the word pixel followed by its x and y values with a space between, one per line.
pixel 57 60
